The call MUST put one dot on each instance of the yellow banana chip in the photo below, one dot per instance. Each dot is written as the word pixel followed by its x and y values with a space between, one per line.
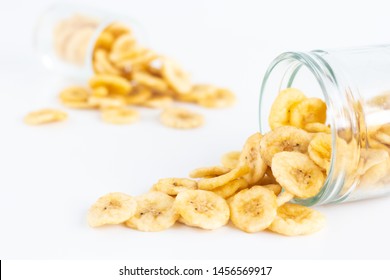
pixel 212 183
pixel 120 115
pixel 230 159
pixel 45 116
pixel 181 118
pixel 173 186
pixel 309 110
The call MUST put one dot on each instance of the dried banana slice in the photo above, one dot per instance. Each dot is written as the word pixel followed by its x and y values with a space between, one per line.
pixel 320 150
pixel 123 44
pixel 293 220
pixel 216 98
pixel 284 198
pixel 114 84
pixel 250 156
pixel 382 101
pixel 120 115
pixel 102 64
pixel 383 134
pixel 202 209
pixel 297 174
pixel 212 183
pixel 284 102
pixel 376 173
pixel 177 79
pixel 371 157
pixel 231 188
pixel 317 127
pixel 45 116
pixel 160 102
pixel 155 212
pixel 75 97
pixel 173 186
pixel 181 118
pixel 285 138
pixel 309 110
pixel 117 29
pixel 254 209
pixel 104 41
pixel 209 172
pixel 107 102
pixel 138 96
pixel 277 189
pixel 230 159
pixel 111 209
pixel 150 81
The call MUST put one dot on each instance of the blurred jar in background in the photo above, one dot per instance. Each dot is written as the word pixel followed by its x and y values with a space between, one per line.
pixel 76 41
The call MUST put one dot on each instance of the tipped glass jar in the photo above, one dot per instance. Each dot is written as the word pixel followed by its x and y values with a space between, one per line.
pixel 74 40
pixel 355 85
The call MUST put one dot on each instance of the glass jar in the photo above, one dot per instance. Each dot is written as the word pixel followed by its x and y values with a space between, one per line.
pixel 355 84
pixel 67 36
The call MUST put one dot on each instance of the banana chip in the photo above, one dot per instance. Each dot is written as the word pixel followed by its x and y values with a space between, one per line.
pixel 231 188
pixel 212 183
pixel 285 138
pixel 320 150
pixel 45 116
pixel 230 159
pixel 277 189
pixel 177 79
pixel 284 198
pixel 110 209
pixel 309 110
pixel 120 115
pixel 251 157
pixel 76 97
pixel 281 108
pixel 155 212
pixel 209 172
pixel 317 127
pixel 254 209
pixel 297 174
pixel 216 98
pixel 202 209
pixel 114 84
pixel 102 64
pixel 150 81
pixel 181 118
pixel 293 220
pixel 173 186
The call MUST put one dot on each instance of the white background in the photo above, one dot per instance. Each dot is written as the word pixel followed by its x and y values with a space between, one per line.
pixel 50 175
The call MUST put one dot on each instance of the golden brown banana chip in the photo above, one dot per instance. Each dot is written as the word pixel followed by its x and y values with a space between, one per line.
pixel 212 183
pixel 320 150
pixel 202 209
pixel 231 188
pixel 297 174
pixel 177 79
pixel 110 209
pixel 173 186
pixel 45 116
pixel 230 159
pixel 120 115
pixel 150 81
pixel 285 138
pixel 281 108
pixel 181 118
pixel 155 212
pixel 317 127
pixel 251 157
pixel 293 220
pixel 309 110
pixel 209 172
pixel 254 209
pixel 276 188
pixel 115 84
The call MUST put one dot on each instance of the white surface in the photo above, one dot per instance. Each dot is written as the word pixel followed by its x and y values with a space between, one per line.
pixel 50 175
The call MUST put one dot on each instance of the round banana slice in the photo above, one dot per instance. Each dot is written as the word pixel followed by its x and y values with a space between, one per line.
pixel 293 220
pixel 374 174
pixel 284 198
pixel 155 212
pixel 217 98
pixel 45 116
pixel 297 174
pixel 123 44
pixel 230 159
pixel 215 182
pixel 177 79
pixel 106 102
pixel 230 188
pixel 158 102
pixel 202 209
pixel 309 110
pixel 209 172
pixel 113 83
pixel 277 189
pixel 181 118
pixel 370 158
pixel 173 186
pixel 120 115
pixel 284 102
pixel 317 127
pixel 74 93
pixel 150 81
pixel 285 138
pixel 250 156
pixel 102 64
pixel 383 134
pixel 254 209
pixel 320 150
pixel 111 209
